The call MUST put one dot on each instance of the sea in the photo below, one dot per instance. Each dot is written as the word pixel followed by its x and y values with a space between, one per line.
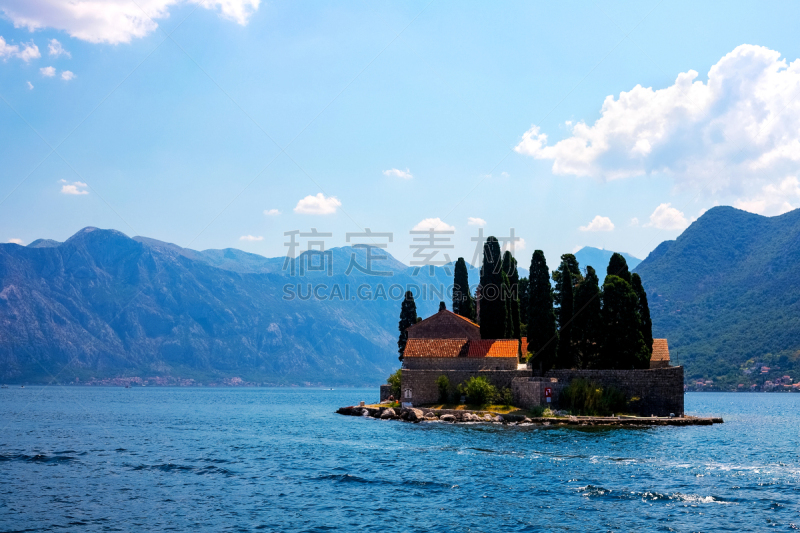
pixel 257 459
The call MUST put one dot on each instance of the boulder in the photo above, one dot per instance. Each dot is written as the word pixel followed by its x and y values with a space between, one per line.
pixel 447 418
pixel 388 414
pixel 431 416
pixel 414 415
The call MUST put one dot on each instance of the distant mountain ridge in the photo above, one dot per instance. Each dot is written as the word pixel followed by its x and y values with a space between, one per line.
pixel 726 292
pixel 598 258
pixel 102 304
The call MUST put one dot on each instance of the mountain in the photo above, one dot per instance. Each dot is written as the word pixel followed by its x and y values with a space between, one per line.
pixel 726 295
pixel 102 304
pixel 597 258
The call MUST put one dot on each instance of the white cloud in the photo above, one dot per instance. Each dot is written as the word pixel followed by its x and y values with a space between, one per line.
pixel 28 52
pixel 577 249
pixel 397 173
pixel 77 187
pixel 734 134
pixel 16 241
pixel 48 72
pixel 272 212
pixel 111 21
pixel 475 221
pixel 317 205
pixel 598 223
pixel 30 85
pixel 773 199
pixel 437 224
pixel 667 217
pixel 251 238
pixel 67 75
pixel 56 50
pixel 634 221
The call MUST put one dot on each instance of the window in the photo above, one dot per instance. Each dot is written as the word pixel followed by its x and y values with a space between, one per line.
pixel 407 393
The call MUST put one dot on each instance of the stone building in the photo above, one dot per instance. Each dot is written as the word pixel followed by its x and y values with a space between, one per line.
pixel 447 344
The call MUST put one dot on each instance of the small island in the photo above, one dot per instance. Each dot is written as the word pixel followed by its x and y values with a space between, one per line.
pixel 590 360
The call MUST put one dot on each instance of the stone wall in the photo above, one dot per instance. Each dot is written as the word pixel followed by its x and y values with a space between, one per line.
pixel 386 391
pixel 659 390
pixel 423 388
pixel 460 363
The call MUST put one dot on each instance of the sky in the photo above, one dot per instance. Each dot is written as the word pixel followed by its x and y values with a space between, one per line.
pixel 227 123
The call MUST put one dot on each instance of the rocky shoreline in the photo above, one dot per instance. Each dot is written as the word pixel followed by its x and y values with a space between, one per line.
pixel 423 414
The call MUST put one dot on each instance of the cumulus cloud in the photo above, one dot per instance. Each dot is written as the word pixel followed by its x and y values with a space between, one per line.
pixel 667 217
pixel 30 85
pixel 634 221
pixel 773 199
pixel 272 212
pixel 397 173
pixel 475 221
pixel 16 241
pixel 437 224
pixel 76 187
pixel 734 134
pixel 112 21
pixel 251 238
pixel 48 72
pixel 598 223
pixel 29 51
pixel 56 50
pixel 67 75
pixel 317 205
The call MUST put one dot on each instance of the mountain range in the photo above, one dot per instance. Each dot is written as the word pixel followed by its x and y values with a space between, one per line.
pixel 103 305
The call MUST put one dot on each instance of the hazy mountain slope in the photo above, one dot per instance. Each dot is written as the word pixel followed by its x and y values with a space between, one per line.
pixel 597 258
pixel 726 291
pixel 102 304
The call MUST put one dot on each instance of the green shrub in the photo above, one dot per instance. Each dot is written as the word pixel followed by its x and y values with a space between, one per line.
pixel 394 381
pixel 443 384
pixel 504 397
pixel 478 390
pixel 582 397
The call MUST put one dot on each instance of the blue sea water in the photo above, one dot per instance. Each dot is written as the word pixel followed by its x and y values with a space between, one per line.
pixel 157 459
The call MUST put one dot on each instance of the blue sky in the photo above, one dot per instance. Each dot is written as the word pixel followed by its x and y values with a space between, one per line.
pixel 201 124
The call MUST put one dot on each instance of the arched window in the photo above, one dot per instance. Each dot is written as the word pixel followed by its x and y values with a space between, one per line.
pixel 407 394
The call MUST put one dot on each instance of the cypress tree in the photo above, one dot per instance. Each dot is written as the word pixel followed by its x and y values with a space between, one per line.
pixel 508 327
pixel 617 266
pixel 542 333
pixel 623 345
pixel 524 301
pixel 644 313
pixel 565 355
pixel 587 324
pixel 463 303
pixel 571 263
pixel 408 317
pixel 511 270
pixel 493 310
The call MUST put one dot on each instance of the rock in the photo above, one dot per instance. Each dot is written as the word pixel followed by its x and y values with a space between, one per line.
pixel 365 412
pixel 388 414
pixel 526 420
pixel 487 417
pixel 498 418
pixel 431 416
pixel 447 418
pixel 414 415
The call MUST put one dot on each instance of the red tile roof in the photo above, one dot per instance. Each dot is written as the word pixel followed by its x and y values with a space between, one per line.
pixel 493 348
pixel 436 348
pixel 660 350
pixel 461 348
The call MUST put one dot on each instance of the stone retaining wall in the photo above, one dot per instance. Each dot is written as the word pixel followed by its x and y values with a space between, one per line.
pixel 386 391
pixel 659 390
pixel 423 388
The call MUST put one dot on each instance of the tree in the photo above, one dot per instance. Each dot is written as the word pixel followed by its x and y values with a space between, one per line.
pixel 442 306
pixel 644 313
pixel 408 317
pixel 463 303
pixel 623 346
pixel 511 270
pixel 524 300
pixel 571 263
pixel 394 380
pixel 587 324
pixel 565 354
pixel 617 266
pixel 542 333
pixel 493 310
pixel 443 384
pixel 508 327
